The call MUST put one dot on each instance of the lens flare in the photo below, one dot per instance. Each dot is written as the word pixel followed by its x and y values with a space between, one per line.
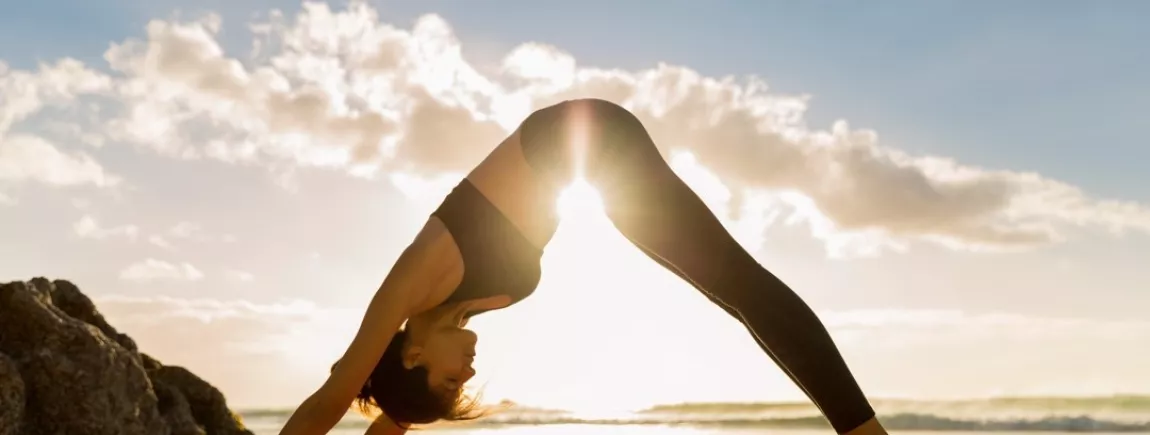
pixel 579 200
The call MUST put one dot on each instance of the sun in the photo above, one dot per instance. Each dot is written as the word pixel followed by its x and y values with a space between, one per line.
pixel 579 201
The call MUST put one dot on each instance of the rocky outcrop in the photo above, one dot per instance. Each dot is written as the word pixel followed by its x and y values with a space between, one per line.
pixel 65 370
pixel 11 397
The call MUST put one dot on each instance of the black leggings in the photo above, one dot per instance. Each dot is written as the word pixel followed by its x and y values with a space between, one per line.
pixel 659 213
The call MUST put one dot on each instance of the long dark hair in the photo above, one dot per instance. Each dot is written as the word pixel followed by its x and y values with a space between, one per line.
pixel 405 395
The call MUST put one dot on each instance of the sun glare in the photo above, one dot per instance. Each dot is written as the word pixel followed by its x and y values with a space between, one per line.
pixel 579 200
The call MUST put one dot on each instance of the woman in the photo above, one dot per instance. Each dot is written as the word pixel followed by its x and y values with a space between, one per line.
pixel 480 251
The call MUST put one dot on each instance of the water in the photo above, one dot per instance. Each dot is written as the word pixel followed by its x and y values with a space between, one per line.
pixel 1100 415
pixel 577 429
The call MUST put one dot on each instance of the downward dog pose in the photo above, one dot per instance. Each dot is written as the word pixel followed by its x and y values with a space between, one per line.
pixel 481 250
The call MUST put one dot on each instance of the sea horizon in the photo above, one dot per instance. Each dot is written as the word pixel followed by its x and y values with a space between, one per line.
pixel 1118 413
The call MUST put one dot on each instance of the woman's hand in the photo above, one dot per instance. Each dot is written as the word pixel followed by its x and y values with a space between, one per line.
pixel 431 265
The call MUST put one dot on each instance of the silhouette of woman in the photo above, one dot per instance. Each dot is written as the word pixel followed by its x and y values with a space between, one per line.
pixel 480 251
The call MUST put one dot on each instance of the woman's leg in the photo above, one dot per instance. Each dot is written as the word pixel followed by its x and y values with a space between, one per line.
pixel 661 215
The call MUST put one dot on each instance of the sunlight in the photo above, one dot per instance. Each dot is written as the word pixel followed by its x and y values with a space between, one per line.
pixel 579 140
pixel 579 201
pixel 596 285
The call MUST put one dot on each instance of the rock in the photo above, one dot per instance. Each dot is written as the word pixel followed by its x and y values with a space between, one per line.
pixel 68 298
pixel 207 404
pixel 77 380
pixel 176 411
pixel 11 397
pixel 67 371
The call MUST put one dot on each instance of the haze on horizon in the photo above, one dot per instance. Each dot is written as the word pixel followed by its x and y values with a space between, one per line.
pixel 957 188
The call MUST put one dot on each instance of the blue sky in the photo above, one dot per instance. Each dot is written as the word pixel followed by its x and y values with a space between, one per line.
pixel 1058 87
pixel 1019 229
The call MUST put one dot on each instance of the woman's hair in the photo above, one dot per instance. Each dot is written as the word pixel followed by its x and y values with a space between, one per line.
pixel 405 395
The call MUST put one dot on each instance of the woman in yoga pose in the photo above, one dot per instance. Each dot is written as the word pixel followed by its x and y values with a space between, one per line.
pixel 481 250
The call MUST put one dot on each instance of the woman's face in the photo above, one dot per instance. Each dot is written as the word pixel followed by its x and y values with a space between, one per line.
pixel 447 350
pixel 447 353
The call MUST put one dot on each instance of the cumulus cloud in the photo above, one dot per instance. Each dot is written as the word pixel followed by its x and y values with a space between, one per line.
pixel 156 270
pixel 31 158
pixel 87 227
pixel 179 80
pixel 27 92
pixel 339 89
pixel 25 157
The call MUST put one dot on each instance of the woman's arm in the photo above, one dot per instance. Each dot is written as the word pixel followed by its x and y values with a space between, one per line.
pixel 420 269
pixel 327 405
pixel 384 426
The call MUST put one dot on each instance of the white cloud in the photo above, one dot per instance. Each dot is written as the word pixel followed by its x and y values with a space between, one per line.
pixel 7 200
pixel 27 92
pixel 31 158
pixel 340 89
pixel 87 227
pixel 179 79
pixel 74 132
pixel 26 157
pixel 161 242
pixel 541 63
pixel 156 270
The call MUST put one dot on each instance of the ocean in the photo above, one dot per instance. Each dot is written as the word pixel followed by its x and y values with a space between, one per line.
pixel 1116 414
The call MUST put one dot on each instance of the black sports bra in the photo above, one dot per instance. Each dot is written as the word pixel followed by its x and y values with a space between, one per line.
pixel 497 258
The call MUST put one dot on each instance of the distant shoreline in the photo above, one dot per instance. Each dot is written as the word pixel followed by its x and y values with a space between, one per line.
pixel 1138 401
pixel 1119 413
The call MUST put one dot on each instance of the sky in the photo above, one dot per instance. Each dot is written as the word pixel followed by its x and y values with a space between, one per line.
pixel 955 187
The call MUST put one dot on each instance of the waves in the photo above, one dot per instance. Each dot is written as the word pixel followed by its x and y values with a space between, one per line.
pixel 1049 414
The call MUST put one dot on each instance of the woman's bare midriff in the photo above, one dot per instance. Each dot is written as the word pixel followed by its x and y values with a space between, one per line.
pixel 506 179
